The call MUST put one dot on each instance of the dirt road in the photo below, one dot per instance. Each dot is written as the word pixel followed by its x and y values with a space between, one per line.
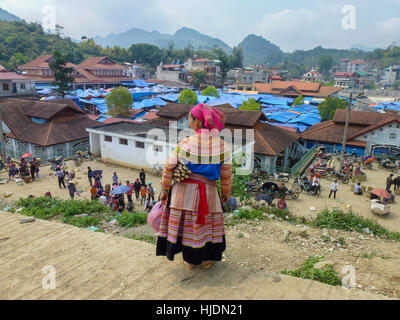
pixel 91 265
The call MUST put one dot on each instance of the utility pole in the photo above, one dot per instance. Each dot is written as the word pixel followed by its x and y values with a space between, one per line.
pixel 3 147
pixel 346 127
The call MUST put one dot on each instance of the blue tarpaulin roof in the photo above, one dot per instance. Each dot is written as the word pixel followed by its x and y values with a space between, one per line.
pixel 283 117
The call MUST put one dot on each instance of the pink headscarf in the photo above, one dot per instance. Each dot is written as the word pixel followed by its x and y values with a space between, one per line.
pixel 211 117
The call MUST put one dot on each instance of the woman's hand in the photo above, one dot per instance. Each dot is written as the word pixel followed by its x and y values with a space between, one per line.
pixel 164 196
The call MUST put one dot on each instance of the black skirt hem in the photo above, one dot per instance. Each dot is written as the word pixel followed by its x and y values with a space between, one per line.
pixel 210 252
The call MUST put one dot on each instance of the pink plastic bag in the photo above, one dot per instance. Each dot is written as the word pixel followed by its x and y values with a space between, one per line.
pixel 154 217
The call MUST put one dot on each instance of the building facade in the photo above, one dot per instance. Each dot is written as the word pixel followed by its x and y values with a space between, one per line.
pixel 13 84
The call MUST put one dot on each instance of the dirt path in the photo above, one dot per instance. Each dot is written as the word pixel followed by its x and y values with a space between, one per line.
pixel 98 266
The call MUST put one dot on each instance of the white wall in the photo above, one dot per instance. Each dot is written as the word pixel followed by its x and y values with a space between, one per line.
pixel 382 136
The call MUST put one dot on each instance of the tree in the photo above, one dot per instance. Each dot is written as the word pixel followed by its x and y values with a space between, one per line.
pixel 236 58
pixel 198 78
pixel 396 85
pixel 211 92
pixel 327 109
pixel 298 101
pixel 325 63
pixel 59 30
pixel 224 66
pixel 188 97
pixel 62 74
pixel 251 104
pixel 119 102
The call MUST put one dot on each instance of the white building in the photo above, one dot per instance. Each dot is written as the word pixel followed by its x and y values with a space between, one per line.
pixel 14 84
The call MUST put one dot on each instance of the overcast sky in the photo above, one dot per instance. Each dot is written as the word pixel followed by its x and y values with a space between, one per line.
pixel 290 24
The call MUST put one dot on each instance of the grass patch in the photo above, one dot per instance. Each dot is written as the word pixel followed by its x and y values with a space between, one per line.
pixel 307 271
pixel 82 222
pixel 46 208
pixel 337 219
pixel 368 255
pixel 259 214
pixel 143 237
pixel 131 220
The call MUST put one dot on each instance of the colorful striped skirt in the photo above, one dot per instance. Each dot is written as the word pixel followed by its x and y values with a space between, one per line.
pixel 179 231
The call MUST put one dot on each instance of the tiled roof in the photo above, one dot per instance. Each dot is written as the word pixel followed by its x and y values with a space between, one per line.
pixel 364 118
pixel 97 63
pixel 39 62
pixel 65 123
pixel 4 75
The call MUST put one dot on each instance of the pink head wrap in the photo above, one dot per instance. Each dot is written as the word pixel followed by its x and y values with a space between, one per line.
pixel 211 117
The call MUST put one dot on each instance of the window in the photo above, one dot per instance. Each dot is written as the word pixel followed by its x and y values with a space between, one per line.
pixel 393 136
pixel 107 138
pixel 23 87
pixel 158 149
pixel 123 141
pixel 6 87
pixel 381 129
pixel 139 145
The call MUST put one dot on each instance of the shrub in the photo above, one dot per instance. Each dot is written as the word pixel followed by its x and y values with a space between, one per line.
pixel 337 219
pixel 131 220
pixel 307 271
pixel 142 237
pixel 82 222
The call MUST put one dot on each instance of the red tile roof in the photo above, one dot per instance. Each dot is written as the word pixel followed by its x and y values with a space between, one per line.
pixel 170 66
pixel 5 75
pixel 150 115
pixel 100 63
pixel 295 88
pixel 65 122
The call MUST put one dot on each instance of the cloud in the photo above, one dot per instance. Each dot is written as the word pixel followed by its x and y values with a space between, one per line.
pixel 292 24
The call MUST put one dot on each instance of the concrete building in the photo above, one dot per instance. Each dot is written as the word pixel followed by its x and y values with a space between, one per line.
pixel 368 131
pixel 45 129
pixel 345 79
pixel 249 75
pixel 126 144
pixel 134 70
pixel 171 72
pixel 313 76
pixel 390 75
pixel 93 72
pixel 209 67
pixel 14 84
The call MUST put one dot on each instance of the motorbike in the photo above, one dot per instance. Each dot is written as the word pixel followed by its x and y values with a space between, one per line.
pixel 386 164
pixel 253 186
pixel 86 155
pixel 54 163
pixel 284 177
pixel 77 160
pixel 345 178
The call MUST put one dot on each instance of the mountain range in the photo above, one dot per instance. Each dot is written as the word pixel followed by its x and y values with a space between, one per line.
pixel 256 49
pixel 180 40
pixel 5 15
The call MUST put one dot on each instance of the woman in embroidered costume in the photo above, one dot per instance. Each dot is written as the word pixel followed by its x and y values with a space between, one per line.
pixel 193 221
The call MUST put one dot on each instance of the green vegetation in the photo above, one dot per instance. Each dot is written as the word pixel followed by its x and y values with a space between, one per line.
pixel 143 237
pixel 188 97
pixel 131 220
pixel 298 101
pixel 307 271
pixel 325 63
pixel 119 102
pixel 47 208
pixel 210 92
pixel 327 109
pixel 250 104
pixel 368 255
pixel 62 74
pixel 198 78
pixel 82 222
pixel 337 219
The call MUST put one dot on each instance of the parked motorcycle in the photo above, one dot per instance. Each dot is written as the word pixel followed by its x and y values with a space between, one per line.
pixel 253 186
pixel 284 177
pixel 386 164
pixel 54 163
pixel 345 178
